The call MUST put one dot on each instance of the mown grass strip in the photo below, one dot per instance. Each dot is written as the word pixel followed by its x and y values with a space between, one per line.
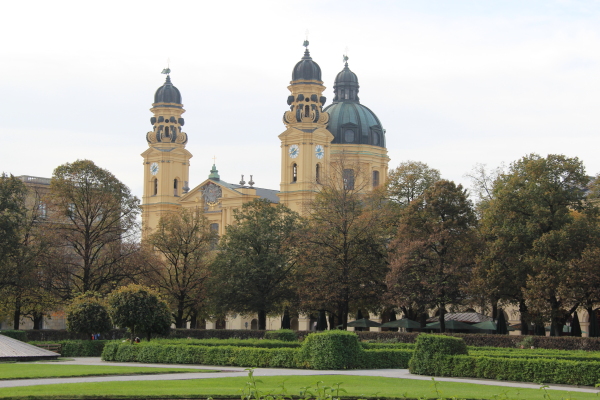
pixel 55 370
pixel 356 386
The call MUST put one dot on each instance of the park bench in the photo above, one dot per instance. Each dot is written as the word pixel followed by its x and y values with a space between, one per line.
pixel 55 347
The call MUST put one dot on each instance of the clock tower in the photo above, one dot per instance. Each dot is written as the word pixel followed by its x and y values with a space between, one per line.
pixel 305 144
pixel 166 161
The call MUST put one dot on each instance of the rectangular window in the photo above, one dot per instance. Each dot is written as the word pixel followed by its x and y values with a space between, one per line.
pixel 42 210
pixel 375 179
pixel 348 176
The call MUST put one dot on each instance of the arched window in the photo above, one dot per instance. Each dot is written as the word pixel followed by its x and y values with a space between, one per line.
pixel 155 191
pixel 318 173
pixel 175 187
pixel 294 173
pixel 166 131
pixel 306 111
pixel 375 178
pixel 348 176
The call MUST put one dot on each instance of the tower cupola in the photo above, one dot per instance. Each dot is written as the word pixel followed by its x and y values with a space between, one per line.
pixel 346 85
pixel 349 121
pixel 167 93
pixel 306 69
pixel 167 121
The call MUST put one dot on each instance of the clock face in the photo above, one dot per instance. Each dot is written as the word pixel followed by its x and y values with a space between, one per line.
pixel 294 151
pixel 154 168
pixel 319 151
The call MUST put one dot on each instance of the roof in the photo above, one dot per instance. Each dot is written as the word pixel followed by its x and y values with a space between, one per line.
pixel 13 349
pixel 263 193
pixel 468 317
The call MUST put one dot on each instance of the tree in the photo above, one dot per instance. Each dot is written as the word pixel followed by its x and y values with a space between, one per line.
pixel 96 219
pixel 537 224
pixel 434 250
pixel 12 218
pixel 139 309
pixel 409 180
pixel 88 314
pixel 183 243
pixel 254 270
pixel 24 287
pixel 343 250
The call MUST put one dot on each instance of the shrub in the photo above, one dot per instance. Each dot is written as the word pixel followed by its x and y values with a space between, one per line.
pixel 432 353
pixel 331 350
pixel 230 342
pixel 139 309
pixel 87 314
pixel 79 348
pixel 384 358
pixel 185 354
pixel 19 335
pixel 286 335
pixel 525 370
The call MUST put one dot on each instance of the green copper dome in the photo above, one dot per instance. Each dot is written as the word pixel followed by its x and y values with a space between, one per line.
pixel 167 93
pixel 306 69
pixel 349 121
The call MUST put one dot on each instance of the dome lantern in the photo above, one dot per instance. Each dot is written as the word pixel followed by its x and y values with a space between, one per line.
pixel 306 69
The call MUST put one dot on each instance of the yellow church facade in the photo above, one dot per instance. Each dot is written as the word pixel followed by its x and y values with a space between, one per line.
pixel 314 137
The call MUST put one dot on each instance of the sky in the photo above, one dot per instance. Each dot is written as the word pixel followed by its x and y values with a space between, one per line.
pixel 454 83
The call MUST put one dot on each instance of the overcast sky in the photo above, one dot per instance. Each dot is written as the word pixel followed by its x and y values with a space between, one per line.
pixel 454 83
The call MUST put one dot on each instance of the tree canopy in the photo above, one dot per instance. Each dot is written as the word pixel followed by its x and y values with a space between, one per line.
pixel 96 219
pixel 434 250
pixel 254 271
pixel 183 243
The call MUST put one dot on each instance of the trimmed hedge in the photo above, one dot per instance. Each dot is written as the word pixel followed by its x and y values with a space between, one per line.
pixel 553 371
pixel 230 342
pixel 287 335
pixel 329 346
pixel 331 350
pixel 432 353
pixel 56 335
pixel 384 358
pixel 19 335
pixel 79 348
pixel 185 354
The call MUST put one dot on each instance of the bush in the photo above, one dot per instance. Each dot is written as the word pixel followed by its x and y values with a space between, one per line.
pixel 87 314
pixel 78 348
pixel 286 335
pixel 539 370
pixel 185 354
pixel 331 350
pixel 230 342
pixel 384 358
pixel 19 335
pixel 432 353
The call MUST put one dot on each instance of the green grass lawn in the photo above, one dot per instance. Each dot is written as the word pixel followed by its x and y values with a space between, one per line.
pixel 56 370
pixel 356 386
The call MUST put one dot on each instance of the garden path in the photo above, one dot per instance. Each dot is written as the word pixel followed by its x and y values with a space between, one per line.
pixel 238 371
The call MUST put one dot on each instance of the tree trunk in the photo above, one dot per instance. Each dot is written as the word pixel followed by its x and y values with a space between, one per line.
pixel 523 314
pixel 331 321
pixel 194 320
pixel 37 321
pixel 262 320
pixel 17 315
pixel 442 319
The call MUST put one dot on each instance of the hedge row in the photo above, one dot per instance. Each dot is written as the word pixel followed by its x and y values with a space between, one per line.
pixel 205 355
pixel 19 335
pixel 323 351
pixel 264 343
pixel 554 371
pixel 56 335
pixel 78 348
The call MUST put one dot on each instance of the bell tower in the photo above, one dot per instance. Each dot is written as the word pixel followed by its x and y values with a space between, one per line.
pixel 305 144
pixel 166 161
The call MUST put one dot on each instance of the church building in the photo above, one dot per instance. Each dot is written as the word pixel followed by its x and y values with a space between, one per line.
pixel 314 136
